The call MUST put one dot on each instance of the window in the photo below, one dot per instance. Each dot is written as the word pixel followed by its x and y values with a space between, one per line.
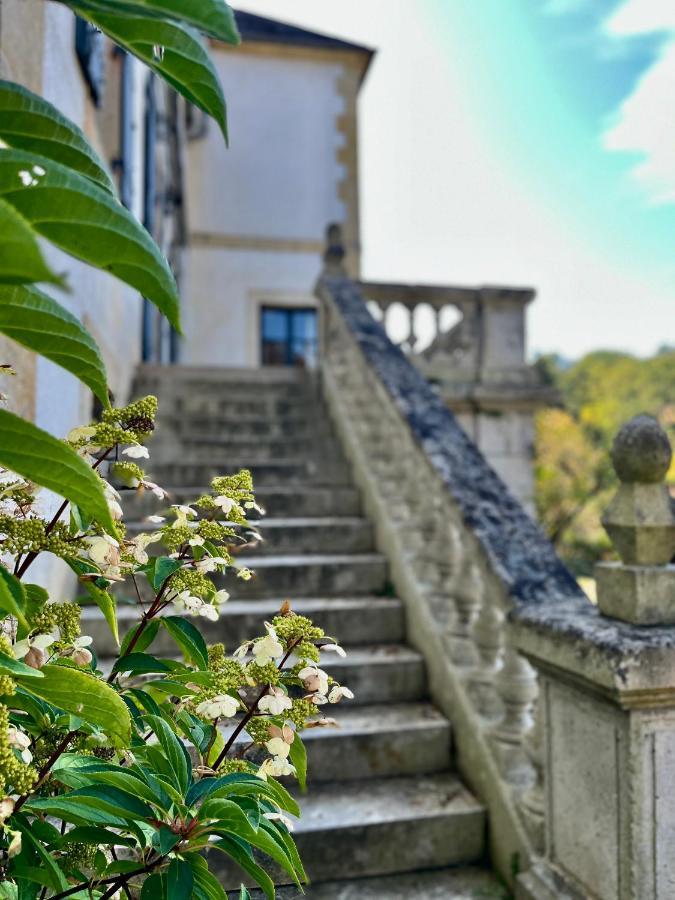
pixel 289 336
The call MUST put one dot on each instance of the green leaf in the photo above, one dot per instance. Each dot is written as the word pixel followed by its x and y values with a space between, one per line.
pixel 14 667
pixel 27 122
pixel 213 17
pixel 206 885
pixel 227 815
pixel 179 880
pixel 84 220
pixel 93 804
pixel 90 834
pixel 104 600
pixel 80 694
pixel 188 639
pixel 173 751
pixel 244 894
pixel 140 664
pixel 183 63
pixel 33 319
pixel 36 597
pixel 241 854
pixel 13 597
pixel 154 888
pixel 54 877
pixel 147 637
pixel 39 457
pixel 298 757
pixel 21 258
pixel 162 568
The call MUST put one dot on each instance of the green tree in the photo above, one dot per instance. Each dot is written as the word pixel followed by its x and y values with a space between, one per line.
pixel 574 477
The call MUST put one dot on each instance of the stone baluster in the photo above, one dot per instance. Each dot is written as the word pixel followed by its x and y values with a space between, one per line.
pixel 517 688
pixel 488 636
pixel 533 799
pixel 467 593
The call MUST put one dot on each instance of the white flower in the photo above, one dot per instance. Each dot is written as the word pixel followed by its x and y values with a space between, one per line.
pixel 267 649
pixel 278 747
pixel 103 550
pixel 136 451
pixel 196 541
pixel 225 503
pixel 334 648
pixel 14 844
pixel 139 543
pixel 39 642
pixel 155 488
pixel 20 741
pixel 156 520
pixel 209 612
pixel 276 766
pixel 221 706
pixel 182 511
pixel 6 809
pixel 314 679
pixel 242 650
pixel 279 817
pixel 250 504
pixel 81 655
pixel 275 702
pixel 244 573
pixel 209 564
pixel 188 603
pixel 317 699
pixel 337 693
pixel 220 597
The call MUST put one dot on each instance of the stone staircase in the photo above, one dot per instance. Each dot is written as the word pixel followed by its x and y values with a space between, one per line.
pixel 385 815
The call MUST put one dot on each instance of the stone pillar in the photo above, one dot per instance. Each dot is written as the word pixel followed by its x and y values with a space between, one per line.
pixel 607 700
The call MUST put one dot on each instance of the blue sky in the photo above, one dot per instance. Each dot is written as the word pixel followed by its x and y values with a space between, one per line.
pixel 523 142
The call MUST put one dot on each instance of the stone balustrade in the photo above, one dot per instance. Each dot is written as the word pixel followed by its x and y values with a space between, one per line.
pixel 463 555
pixel 563 712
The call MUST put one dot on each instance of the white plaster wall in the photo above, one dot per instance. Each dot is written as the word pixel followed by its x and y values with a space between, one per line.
pixel 222 292
pixel 279 176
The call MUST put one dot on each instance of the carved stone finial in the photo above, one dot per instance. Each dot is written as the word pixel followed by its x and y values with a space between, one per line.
pixel 334 254
pixel 640 521
pixel 641 452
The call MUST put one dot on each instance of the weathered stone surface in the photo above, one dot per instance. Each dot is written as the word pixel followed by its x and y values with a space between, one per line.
pixel 515 546
pixel 641 451
pixel 643 595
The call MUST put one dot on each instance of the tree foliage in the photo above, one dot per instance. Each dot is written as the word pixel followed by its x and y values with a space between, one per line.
pixel 574 476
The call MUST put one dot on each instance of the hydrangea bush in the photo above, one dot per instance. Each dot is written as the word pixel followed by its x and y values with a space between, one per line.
pixel 117 777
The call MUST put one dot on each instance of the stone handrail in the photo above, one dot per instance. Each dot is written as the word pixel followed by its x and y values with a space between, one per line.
pixel 463 555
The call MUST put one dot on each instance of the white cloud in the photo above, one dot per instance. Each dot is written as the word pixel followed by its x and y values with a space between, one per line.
pixel 644 123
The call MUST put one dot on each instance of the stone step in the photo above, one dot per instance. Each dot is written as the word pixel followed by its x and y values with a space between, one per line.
pixel 264 472
pixel 313 501
pixel 380 673
pixel 379 741
pixel 188 448
pixel 308 425
pixel 395 825
pixel 310 575
pixel 232 404
pixel 465 883
pixel 350 620
pixel 165 378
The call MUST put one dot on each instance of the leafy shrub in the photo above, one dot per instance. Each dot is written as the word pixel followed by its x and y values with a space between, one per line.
pixel 118 780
